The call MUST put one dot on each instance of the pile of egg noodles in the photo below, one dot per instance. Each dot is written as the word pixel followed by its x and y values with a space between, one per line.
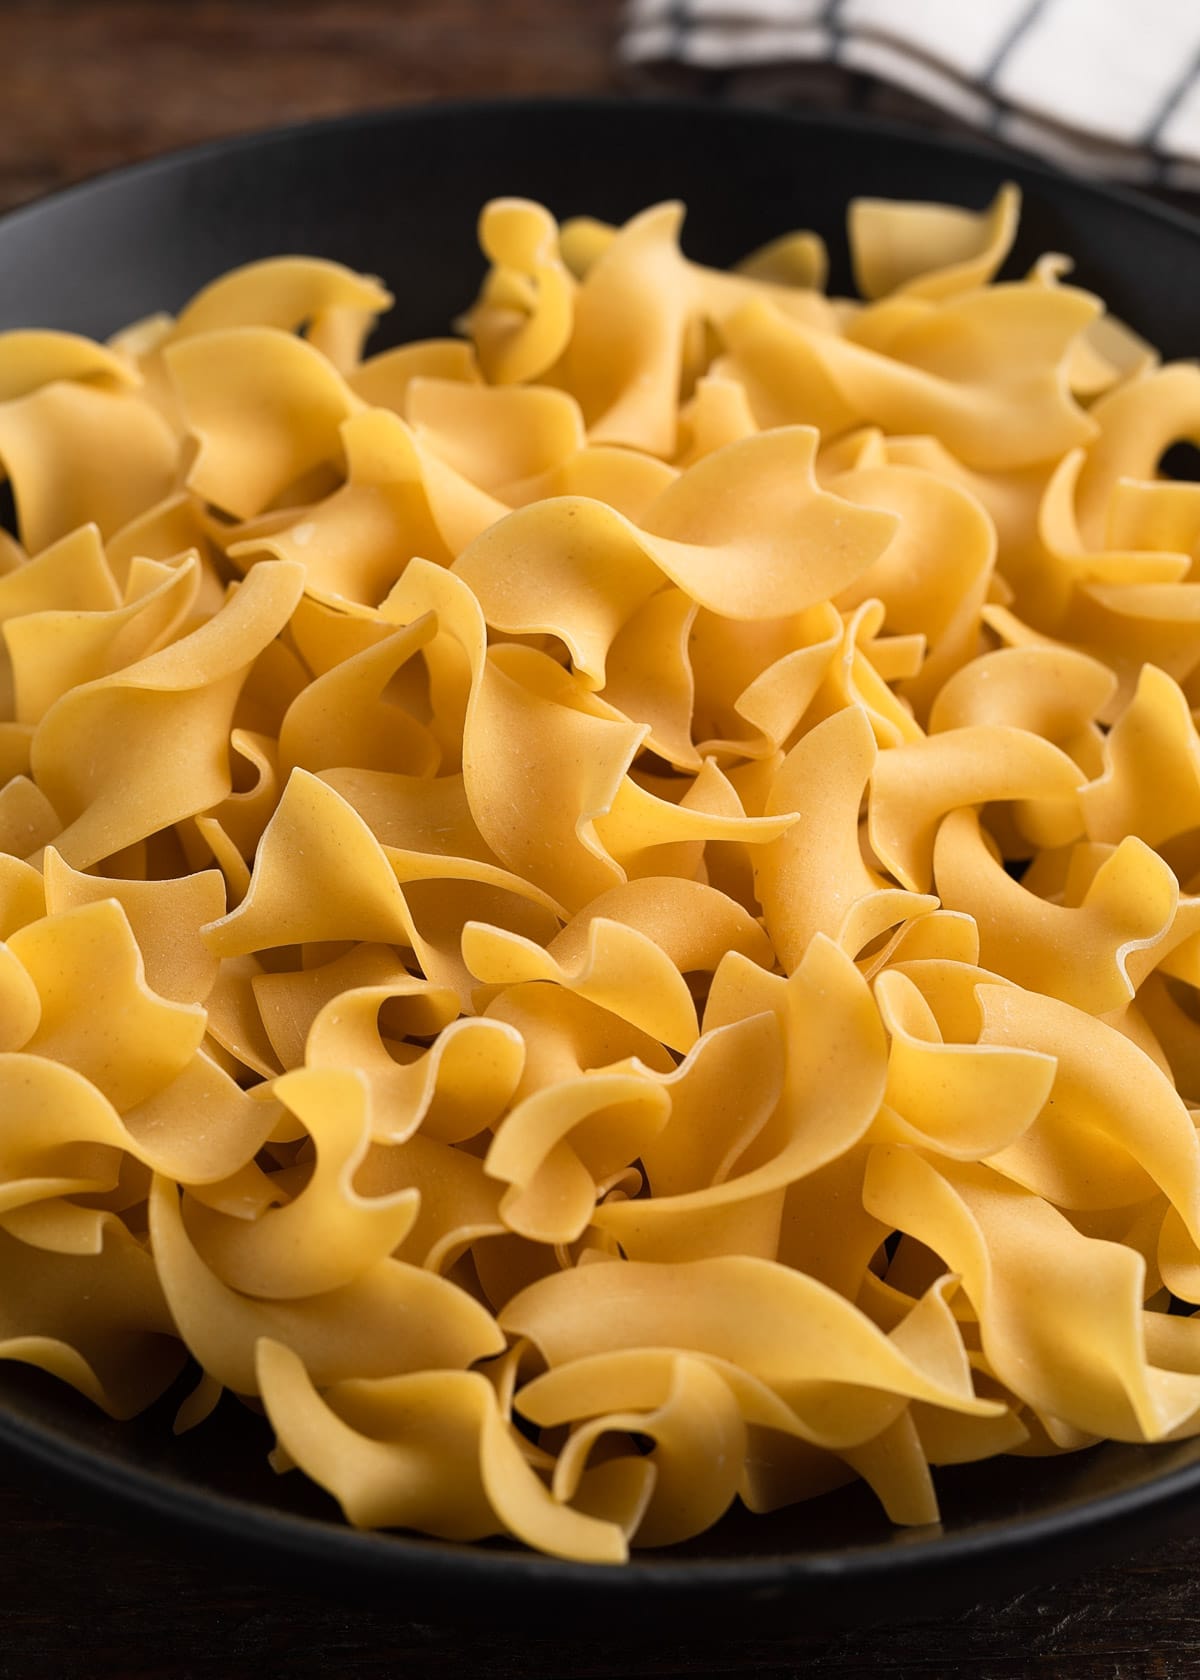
pixel 602 917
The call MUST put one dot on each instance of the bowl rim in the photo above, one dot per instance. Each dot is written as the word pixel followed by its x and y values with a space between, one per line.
pixel 425 1561
pixel 982 150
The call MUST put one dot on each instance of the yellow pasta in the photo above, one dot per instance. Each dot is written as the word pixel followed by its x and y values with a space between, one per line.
pixel 602 918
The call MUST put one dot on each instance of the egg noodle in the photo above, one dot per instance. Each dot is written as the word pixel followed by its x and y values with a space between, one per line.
pixel 603 917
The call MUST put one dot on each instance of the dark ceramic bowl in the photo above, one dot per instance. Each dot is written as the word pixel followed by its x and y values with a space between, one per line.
pixel 397 194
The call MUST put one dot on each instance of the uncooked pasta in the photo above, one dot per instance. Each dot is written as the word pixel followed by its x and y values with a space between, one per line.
pixel 601 917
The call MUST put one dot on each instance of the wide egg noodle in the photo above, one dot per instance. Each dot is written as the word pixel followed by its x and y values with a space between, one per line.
pixel 603 917
pixel 167 715
pixel 428 1451
pixel 929 251
pixel 77 453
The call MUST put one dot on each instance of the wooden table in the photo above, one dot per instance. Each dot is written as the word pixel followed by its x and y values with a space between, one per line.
pixel 88 84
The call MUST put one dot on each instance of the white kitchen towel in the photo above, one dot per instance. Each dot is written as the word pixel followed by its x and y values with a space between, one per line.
pixel 1109 87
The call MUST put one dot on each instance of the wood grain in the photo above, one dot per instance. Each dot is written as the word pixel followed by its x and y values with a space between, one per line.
pixel 89 84
pixel 87 1601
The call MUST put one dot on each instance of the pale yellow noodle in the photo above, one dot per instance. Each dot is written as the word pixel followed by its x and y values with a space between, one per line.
pixel 604 916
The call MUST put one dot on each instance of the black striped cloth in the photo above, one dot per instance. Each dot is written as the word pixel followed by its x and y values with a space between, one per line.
pixel 1106 87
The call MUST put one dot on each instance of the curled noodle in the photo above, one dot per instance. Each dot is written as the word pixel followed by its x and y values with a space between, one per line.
pixel 602 918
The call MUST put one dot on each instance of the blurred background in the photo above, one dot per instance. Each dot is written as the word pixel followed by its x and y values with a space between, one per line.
pixel 86 85
pixel 1109 87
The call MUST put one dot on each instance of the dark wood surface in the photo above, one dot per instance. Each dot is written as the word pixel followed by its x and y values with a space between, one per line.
pixel 86 85
pixel 89 84
pixel 84 1598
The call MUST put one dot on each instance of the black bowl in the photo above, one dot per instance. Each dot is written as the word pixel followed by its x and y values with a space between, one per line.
pixel 397 194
